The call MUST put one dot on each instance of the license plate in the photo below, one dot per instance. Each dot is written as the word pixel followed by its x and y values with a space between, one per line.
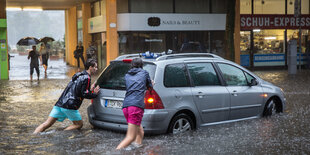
pixel 113 104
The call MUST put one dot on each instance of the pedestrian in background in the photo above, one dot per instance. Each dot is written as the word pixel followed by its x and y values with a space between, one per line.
pixel 44 56
pixel 71 99
pixel 78 53
pixel 91 51
pixel 33 55
pixel 137 81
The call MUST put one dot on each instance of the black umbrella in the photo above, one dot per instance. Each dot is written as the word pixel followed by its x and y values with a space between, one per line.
pixel 27 41
pixel 46 39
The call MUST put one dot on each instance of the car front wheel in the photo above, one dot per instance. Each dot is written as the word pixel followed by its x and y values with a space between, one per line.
pixel 270 108
pixel 181 123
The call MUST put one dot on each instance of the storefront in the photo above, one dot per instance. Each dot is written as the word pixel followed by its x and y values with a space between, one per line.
pixel 157 26
pixel 178 32
pixel 267 26
pixel 178 25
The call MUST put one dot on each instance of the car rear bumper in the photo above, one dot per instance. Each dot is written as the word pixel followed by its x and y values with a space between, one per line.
pixel 153 122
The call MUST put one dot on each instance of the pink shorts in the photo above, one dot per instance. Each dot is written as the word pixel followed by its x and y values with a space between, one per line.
pixel 133 115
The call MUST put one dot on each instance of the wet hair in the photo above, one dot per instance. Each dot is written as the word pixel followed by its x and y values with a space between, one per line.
pixel 137 63
pixel 90 62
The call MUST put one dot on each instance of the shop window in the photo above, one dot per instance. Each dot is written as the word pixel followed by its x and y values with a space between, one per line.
pixel 245 40
pixel 151 6
pixel 304 6
pixel 268 42
pixel 217 43
pixel 245 6
pixel 138 42
pixel 269 6
pixel 294 35
pixel 192 6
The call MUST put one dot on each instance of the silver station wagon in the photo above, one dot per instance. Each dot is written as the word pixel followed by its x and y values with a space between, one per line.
pixel 191 90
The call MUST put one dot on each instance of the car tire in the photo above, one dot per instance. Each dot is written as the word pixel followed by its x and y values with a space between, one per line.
pixel 180 123
pixel 270 108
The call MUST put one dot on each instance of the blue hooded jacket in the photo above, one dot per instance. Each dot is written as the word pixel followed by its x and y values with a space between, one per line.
pixel 137 81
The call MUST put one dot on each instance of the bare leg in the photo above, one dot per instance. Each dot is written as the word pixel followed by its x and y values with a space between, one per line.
pixel 130 136
pixel 75 125
pixel 140 135
pixel 48 123
pixel 30 77
pixel 45 68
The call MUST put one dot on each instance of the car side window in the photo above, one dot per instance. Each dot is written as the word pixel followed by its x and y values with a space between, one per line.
pixel 203 74
pixel 233 75
pixel 175 76
pixel 248 77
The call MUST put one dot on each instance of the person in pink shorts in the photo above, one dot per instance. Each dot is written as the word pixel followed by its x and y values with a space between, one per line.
pixel 137 82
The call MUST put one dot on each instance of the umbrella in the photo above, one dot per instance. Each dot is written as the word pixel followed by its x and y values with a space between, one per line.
pixel 27 41
pixel 46 39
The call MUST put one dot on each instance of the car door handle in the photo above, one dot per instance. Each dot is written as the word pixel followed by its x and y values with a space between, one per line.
pixel 234 93
pixel 200 95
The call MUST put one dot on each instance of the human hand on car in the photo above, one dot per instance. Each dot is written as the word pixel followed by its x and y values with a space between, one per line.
pixel 97 89
pixel 92 87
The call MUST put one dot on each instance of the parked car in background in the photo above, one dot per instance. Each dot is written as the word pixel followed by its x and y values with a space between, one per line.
pixel 191 90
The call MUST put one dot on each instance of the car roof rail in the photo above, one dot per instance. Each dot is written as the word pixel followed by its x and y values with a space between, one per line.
pixel 128 56
pixel 146 55
pixel 188 55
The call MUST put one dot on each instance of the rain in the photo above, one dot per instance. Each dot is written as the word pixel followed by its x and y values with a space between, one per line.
pixel 24 105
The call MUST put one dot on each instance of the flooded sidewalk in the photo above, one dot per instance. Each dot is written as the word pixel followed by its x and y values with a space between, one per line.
pixel 57 69
pixel 24 105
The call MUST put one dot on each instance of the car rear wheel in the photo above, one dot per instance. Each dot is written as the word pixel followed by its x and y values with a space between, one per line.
pixel 270 108
pixel 181 123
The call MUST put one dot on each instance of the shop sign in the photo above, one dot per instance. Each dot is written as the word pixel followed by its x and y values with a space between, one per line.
pixel 269 57
pixel 249 22
pixel 97 24
pixel 170 22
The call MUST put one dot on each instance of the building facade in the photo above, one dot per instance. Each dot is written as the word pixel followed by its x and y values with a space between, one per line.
pixel 267 26
pixel 161 25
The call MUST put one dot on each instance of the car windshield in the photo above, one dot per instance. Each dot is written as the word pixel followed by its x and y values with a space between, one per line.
pixel 113 76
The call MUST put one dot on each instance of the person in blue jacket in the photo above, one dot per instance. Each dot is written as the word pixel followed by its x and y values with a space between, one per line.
pixel 71 99
pixel 137 81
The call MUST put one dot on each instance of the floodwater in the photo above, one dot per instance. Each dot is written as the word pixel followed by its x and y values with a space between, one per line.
pixel 24 105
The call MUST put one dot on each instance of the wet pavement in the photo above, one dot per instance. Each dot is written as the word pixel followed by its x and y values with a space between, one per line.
pixel 24 105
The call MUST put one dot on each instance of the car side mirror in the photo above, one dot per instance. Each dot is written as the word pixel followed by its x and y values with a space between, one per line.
pixel 253 82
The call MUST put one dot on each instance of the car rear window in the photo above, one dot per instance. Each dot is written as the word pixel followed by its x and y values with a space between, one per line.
pixel 113 76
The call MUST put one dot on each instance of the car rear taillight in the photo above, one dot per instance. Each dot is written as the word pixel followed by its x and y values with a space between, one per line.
pixel 152 100
pixel 127 60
